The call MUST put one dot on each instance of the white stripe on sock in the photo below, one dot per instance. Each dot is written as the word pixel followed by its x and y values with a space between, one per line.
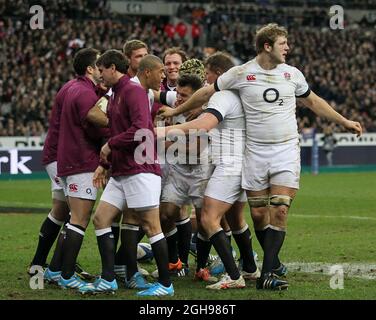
pixel 55 221
pixel 115 224
pixel 201 237
pixel 219 230
pixel 75 229
pixel 101 232
pixel 156 238
pixel 130 227
pixel 172 232
pixel 266 227
pixel 241 230
pixel 277 228
pixel 228 233
pixel 179 223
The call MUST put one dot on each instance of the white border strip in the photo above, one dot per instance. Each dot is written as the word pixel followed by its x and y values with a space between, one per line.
pixel 317 216
pixel 362 270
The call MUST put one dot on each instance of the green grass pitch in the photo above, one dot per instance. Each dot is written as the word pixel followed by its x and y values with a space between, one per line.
pixel 332 222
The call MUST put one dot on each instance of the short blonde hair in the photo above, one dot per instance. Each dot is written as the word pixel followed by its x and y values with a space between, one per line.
pixel 268 34
pixel 132 45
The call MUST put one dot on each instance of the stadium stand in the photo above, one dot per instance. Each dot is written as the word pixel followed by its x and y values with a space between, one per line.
pixel 35 63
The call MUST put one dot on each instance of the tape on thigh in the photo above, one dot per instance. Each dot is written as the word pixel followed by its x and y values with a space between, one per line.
pixel 257 202
pixel 280 200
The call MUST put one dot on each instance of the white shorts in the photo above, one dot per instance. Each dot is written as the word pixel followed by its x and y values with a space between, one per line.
pixel 186 184
pixel 56 184
pixel 225 187
pixel 271 164
pixel 137 191
pixel 80 186
pixel 165 171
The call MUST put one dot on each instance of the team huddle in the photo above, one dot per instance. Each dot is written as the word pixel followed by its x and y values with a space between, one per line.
pixel 161 136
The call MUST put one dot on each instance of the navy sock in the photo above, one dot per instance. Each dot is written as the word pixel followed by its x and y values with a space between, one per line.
pixel 272 245
pixel 159 247
pixel 106 245
pixel 172 240
pixel 184 239
pixel 221 244
pixel 57 258
pixel 244 243
pixel 47 236
pixel 115 228
pixel 203 247
pixel 71 247
pixel 260 235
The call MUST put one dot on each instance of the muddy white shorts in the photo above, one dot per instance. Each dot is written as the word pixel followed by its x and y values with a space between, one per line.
pixel 186 184
pixel 225 187
pixel 271 164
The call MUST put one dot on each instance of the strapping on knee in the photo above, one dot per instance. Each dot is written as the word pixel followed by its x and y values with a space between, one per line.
pixel 280 200
pixel 257 202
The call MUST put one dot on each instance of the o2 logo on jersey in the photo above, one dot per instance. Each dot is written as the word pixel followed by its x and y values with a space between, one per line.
pixel 73 187
pixel 271 95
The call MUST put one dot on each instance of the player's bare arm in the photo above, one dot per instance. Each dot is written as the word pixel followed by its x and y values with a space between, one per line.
pixel 100 177
pixel 97 114
pixel 206 121
pixel 320 107
pixel 193 114
pixel 105 152
pixel 199 98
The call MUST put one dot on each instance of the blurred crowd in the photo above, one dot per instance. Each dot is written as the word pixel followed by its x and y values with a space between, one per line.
pixel 338 64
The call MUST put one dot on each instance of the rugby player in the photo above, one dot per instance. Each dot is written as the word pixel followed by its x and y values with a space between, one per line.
pixel 268 88
pixel 225 112
pixel 77 157
pixel 185 183
pixel 134 183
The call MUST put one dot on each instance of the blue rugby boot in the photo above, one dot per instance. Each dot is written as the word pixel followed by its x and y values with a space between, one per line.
pixel 269 282
pixel 74 282
pixel 137 282
pixel 99 286
pixel 157 289
pixel 281 271
pixel 51 277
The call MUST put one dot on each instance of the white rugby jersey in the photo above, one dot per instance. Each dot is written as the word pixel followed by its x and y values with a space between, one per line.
pixel 150 92
pixel 228 138
pixel 268 98
pixel 169 98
